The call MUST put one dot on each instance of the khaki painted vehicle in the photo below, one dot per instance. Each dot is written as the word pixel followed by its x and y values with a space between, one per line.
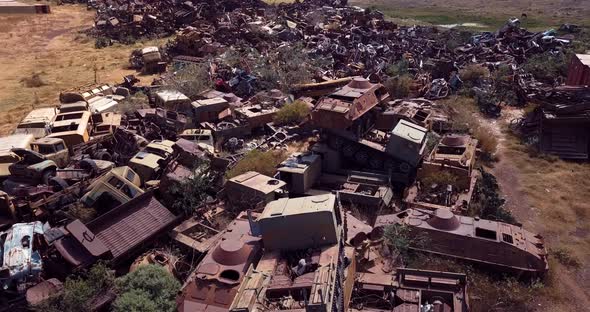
pixel 37 122
pixel 117 187
pixel 7 157
pixel 105 123
pixel 32 168
pixel 148 162
pixel 54 149
pixel 203 138
pixel 74 128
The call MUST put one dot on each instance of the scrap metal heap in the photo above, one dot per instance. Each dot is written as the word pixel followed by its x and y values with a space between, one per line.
pixel 84 183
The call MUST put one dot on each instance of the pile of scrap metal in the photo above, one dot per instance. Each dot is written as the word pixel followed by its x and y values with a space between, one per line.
pixel 560 125
pixel 130 21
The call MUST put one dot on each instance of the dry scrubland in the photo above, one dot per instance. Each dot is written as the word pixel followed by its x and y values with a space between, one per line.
pixel 44 54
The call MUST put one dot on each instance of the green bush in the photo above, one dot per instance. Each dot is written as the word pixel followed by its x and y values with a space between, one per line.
pixel 487 201
pixel 79 291
pixel 191 192
pixel 150 287
pixel 292 114
pixel 399 87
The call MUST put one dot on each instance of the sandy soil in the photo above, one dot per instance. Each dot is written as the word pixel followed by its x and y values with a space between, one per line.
pixel 52 46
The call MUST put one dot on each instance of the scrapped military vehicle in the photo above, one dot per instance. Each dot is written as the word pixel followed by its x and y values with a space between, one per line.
pixel 32 168
pixel 410 290
pixel 54 149
pixel 117 187
pixel 150 162
pixel 37 122
pixel 446 178
pixel 347 118
pixel 203 137
pixel 7 157
pixel 496 245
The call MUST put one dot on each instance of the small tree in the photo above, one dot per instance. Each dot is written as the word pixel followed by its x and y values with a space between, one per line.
pixel 149 288
pixel 292 114
pixel 79 291
pixel 191 192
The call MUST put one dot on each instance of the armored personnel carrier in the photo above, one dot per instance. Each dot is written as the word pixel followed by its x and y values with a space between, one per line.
pixel 496 245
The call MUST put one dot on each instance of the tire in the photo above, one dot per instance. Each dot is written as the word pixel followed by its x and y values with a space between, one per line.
pixel 47 175
pixel 103 155
pixel 58 184
pixel 88 165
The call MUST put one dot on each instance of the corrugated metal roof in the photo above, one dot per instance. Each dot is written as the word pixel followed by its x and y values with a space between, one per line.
pixel 584 58
pixel 132 223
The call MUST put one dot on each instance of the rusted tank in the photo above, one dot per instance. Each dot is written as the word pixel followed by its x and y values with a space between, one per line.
pixel 446 178
pixel 348 117
pixel 215 282
pixel 496 245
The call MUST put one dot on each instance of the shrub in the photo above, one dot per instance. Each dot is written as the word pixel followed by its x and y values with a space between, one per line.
pixel 565 257
pixel 149 287
pixel 546 66
pixel 399 68
pixel 191 80
pixel 488 142
pixel 473 73
pixel 292 114
pixel 400 239
pixel 440 178
pixel 78 292
pixel 487 202
pixel 191 192
pixel 399 87
pixel 261 162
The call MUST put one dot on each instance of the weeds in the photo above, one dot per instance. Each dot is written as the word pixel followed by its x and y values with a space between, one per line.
pixel 487 202
pixel 565 257
pixel 292 114
pixel 473 73
pixel 261 162
pixel 440 178
pixel 399 87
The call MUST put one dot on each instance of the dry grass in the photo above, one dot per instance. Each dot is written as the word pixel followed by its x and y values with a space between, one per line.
pixel 261 162
pixel 466 118
pixel 42 55
pixel 473 72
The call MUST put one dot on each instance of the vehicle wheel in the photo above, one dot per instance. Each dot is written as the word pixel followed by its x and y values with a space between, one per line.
pixel 47 175
pixel 103 155
pixel 404 167
pixel 58 184
pixel 88 165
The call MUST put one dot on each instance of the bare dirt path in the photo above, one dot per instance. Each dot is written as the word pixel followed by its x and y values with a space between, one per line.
pixel 567 288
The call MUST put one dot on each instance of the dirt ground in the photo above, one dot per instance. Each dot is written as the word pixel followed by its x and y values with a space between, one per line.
pixel 550 197
pixel 546 12
pixel 50 45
